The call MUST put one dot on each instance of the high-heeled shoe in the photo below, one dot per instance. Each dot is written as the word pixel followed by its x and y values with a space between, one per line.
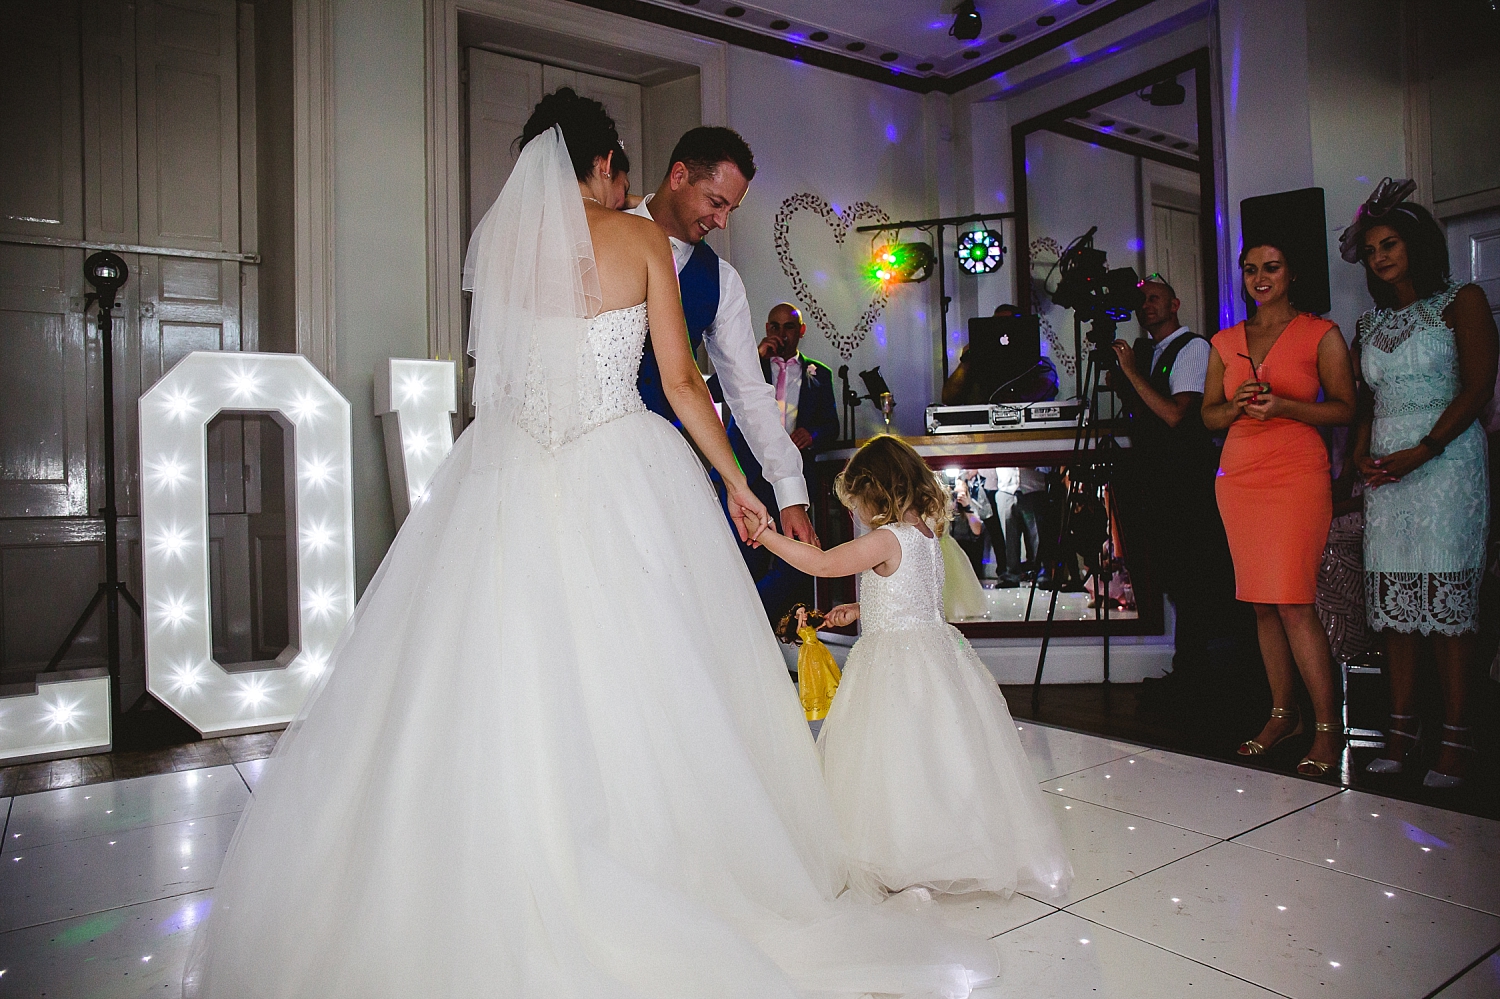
pixel 1310 767
pixel 1442 781
pixel 1252 748
pixel 1386 765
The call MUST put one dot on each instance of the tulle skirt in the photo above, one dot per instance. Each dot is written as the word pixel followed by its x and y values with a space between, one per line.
pixel 557 754
pixel 927 775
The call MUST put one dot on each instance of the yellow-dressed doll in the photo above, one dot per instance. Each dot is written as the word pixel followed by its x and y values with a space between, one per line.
pixel 817 671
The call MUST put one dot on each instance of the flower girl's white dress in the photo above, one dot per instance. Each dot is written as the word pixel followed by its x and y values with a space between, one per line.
pixel 927 775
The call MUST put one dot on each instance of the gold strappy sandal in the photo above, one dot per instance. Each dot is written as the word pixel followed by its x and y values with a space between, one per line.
pixel 1310 767
pixel 1252 748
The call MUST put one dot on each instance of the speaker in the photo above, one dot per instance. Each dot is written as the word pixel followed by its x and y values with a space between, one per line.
pixel 1296 222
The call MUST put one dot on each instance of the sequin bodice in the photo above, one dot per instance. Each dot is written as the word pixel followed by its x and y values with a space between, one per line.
pixel 910 597
pixel 615 343
pixel 618 339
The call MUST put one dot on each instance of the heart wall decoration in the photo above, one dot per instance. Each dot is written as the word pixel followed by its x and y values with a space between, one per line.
pixel 847 282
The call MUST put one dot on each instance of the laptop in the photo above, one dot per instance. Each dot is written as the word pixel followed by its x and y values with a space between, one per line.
pixel 1001 350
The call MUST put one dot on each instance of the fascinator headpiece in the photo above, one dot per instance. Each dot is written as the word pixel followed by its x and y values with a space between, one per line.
pixel 1388 197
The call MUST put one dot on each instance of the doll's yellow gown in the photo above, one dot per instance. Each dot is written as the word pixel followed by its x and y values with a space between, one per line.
pixel 817 674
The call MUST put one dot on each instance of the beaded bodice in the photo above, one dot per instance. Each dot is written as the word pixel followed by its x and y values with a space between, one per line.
pixel 614 346
pixel 910 597
pixel 1408 356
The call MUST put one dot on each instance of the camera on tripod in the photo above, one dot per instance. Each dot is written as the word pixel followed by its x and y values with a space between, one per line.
pixel 1097 295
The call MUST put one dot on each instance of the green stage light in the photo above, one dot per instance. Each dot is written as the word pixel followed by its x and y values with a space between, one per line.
pixel 980 251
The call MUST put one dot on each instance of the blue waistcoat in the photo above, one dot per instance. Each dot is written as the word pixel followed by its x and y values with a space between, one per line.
pixel 699 281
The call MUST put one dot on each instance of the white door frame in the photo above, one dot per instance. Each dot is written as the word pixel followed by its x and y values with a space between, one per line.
pixel 445 125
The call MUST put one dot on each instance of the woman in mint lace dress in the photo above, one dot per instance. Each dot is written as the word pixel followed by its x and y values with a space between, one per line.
pixel 1427 354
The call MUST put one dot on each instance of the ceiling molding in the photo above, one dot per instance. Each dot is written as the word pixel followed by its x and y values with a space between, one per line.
pixel 685 19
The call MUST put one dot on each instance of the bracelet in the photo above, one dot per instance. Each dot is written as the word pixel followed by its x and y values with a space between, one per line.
pixel 1432 446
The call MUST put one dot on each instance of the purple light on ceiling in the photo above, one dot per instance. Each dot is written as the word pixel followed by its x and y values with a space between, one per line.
pixel 891 135
pixel 1362 180
pixel 1134 245
pixel 837 208
pixel 1000 198
pixel 937 25
pixel 880 334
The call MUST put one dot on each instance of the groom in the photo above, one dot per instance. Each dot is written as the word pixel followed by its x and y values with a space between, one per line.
pixel 711 171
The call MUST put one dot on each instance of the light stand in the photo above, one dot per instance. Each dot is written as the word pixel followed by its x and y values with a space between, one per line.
pixel 107 273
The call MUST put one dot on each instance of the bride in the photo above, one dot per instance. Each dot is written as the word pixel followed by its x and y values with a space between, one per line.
pixel 557 753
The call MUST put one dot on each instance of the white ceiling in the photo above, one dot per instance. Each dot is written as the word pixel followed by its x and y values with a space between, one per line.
pixel 1174 128
pixel 915 30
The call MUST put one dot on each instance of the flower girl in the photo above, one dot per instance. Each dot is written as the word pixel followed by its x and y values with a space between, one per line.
pixel 927 775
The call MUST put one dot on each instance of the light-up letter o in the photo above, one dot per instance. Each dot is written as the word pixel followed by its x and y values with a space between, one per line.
pixel 175 414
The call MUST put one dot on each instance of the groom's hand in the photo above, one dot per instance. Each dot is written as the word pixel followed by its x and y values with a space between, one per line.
pixel 796 525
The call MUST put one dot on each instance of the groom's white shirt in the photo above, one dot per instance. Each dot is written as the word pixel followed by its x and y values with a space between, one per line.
pixel 732 349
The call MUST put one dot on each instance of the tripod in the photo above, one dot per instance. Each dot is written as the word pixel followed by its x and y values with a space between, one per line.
pixel 1089 468
pixel 107 273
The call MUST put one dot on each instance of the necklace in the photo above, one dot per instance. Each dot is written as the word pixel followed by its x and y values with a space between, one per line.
pixel 595 201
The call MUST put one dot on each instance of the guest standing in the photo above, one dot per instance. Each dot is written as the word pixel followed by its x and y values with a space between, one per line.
pixel 810 417
pixel 1427 355
pixel 1265 376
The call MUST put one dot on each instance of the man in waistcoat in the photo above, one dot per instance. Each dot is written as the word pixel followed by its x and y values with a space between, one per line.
pixel 1165 480
pixel 711 169
pixel 805 401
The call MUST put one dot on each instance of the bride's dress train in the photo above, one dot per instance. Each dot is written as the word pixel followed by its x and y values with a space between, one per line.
pixel 557 754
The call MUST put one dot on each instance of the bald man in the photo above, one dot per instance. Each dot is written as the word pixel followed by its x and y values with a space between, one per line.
pixel 805 403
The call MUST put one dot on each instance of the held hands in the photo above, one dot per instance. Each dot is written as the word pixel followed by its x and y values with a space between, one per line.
pixel 841 616
pixel 747 511
pixel 1254 399
pixel 1391 468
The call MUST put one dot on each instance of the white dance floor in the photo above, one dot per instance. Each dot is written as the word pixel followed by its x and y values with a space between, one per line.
pixel 1194 878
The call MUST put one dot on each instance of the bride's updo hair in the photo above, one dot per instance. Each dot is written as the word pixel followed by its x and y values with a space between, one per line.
pixel 887 477
pixel 587 128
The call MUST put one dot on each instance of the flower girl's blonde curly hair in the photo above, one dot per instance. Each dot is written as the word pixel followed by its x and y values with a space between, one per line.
pixel 888 478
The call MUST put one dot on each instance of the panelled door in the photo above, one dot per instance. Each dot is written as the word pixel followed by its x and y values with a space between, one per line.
pixel 122 124
pixel 503 90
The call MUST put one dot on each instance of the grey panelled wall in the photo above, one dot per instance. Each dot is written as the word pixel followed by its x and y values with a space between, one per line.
pixel 148 140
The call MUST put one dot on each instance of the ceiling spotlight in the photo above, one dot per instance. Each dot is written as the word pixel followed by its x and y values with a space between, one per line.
pixel 966 22
pixel 980 251
pixel 1164 93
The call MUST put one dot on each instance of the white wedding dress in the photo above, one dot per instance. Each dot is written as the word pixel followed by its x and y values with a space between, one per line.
pixel 556 753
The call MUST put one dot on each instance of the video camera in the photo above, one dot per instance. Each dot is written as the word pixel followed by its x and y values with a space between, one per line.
pixel 1097 295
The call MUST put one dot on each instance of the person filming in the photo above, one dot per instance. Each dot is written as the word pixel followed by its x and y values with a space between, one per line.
pixel 1165 482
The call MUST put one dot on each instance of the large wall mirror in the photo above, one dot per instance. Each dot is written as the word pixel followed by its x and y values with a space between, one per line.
pixel 1135 160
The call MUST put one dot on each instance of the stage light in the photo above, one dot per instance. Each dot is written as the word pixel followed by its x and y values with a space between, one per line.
pixel 1163 93
pixel 967 23
pixel 980 251
pixel 902 263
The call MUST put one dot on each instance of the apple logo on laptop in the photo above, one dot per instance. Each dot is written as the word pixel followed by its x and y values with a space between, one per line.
pixel 1005 339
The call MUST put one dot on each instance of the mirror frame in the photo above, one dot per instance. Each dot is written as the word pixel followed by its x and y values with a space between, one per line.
pixel 1200 64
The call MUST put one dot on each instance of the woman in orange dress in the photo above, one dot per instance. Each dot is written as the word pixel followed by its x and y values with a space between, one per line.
pixel 1271 381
